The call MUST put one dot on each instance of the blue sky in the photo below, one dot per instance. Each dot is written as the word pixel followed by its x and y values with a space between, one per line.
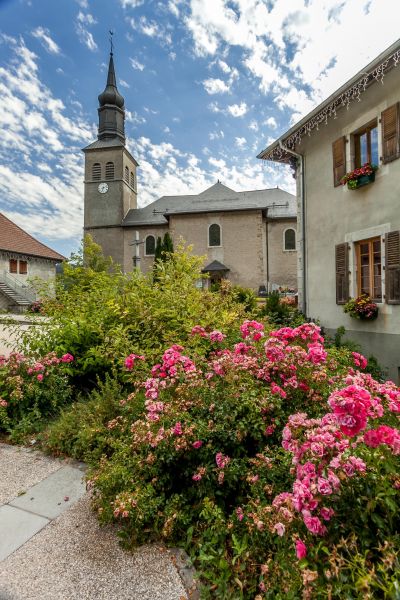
pixel 207 85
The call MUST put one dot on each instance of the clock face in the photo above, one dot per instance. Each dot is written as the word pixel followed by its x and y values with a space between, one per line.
pixel 103 188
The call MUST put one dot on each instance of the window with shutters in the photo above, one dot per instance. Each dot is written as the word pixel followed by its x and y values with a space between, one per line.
pixel 289 237
pixel 369 268
pixel 214 235
pixel 390 122
pixel 110 170
pixel 23 267
pixel 392 267
pixel 96 172
pixel 366 145
pixel 342 273
pixel 339 160
pixel 126 174
pixel 132 180
pixel 13 265
pixel 150 245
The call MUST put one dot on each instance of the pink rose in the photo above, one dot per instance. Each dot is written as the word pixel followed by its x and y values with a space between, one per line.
pixel 198 444
pixel 301 549
pixel 39 377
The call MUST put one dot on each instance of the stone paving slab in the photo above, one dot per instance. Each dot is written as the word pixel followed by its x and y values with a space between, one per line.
pixel 74 559
pixel 21 468
pixel 53 495
pixel 17 527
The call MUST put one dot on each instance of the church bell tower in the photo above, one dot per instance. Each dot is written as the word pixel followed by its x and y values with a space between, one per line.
pixel 110 173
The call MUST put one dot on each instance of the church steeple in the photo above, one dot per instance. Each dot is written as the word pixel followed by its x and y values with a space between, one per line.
pixel 111 108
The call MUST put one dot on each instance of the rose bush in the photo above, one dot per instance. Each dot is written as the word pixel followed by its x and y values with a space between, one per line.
pixel 32 390
pixel 263 457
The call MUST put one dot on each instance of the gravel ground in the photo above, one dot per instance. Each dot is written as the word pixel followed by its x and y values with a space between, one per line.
pixel 20 469
pixel 74 559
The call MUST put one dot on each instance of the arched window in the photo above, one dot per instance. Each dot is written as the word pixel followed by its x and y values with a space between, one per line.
pixel 96 172
pixel 126 174
pixel 214 235
pixel 110 170
pixel 150 245
pixel 290 239
pixel 132 180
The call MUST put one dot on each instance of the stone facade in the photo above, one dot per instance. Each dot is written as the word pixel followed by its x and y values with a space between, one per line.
pixel 337 215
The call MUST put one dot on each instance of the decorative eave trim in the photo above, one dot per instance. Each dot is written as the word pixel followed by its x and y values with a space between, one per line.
pixel 343 97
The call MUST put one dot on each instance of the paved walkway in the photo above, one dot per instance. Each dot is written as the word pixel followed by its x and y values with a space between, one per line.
pixel 52 548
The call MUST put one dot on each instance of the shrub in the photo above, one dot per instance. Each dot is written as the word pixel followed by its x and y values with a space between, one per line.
pixel 100 315
pixel 198 460
pixel 280 312
pixel 31 390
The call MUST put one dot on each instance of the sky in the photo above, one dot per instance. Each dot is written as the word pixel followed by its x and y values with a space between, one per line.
pixel 207 85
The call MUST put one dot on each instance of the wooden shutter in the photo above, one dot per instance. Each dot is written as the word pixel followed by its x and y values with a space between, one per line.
pixel 342 273
pixel 392 267
pixel 390 133
pixel 339 160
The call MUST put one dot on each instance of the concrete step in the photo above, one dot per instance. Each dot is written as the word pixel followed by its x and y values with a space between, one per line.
pixel 13 295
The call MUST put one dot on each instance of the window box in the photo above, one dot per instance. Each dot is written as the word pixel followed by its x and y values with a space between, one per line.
pixel 360 176
pixel 361 181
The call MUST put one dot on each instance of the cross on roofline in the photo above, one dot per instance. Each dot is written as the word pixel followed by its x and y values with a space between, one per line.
pixel 111 40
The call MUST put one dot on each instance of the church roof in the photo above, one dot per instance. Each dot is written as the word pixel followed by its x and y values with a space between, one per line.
pixel 15 239
pixel 217 198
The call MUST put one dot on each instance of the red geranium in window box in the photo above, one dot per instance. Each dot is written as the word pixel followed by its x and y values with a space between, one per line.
pixel 360 176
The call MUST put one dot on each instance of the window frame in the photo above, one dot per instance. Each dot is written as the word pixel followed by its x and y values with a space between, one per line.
pixel 126 174
pixel 25 271
pixel 96 173
pixel 110 175
pixel 220 236
pixel 13 261
pixel 371 275
pixel 145 244
pixel 132 180
pixel 357 145
pixel 284 240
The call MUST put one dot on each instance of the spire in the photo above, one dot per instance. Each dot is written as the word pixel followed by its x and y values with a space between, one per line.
pixel 111 107
pixel 111 94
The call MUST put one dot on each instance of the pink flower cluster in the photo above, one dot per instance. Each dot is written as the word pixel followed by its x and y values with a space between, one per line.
pixel 131 359
pixel 383 435
pixel 214 336
pixel 252 329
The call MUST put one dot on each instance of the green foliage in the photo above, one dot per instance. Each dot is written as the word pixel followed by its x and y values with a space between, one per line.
pixel 30 393
pixel 100 315
pixel 280 313
pixel 81 429
pixel 244 296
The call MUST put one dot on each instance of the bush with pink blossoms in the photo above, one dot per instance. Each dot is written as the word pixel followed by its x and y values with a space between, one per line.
pixel 31 391
pixel 259 457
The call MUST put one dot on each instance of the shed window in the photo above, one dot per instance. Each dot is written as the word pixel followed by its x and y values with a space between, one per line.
pixel 110 170
pixel 150 246
pixel 214 235
pixel 126 174
pixel 13 265
pixel 96 172
pixel 132 180
pixel 290 239
pixel 23 267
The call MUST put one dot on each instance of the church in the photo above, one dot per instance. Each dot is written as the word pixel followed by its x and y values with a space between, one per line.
pixel 248 237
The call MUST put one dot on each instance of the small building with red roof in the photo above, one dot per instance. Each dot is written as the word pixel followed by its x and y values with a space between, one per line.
pixel 22 257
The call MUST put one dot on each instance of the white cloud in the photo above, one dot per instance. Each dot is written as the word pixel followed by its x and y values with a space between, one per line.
pixel 152 29
pixel 237 110
pixel 136 64
pixel 240 141
pixel 215 86
pixel 216 135
pixel 131 3
pixel 271 122
pixel 85 37
pixel 47 42
pixel 124 83
pixel 253 125
pixel 86 19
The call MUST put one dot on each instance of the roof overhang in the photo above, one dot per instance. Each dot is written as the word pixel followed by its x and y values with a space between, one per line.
pixel 373 73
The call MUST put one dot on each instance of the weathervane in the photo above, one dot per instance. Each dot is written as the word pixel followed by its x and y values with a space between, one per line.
pixel 111 40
